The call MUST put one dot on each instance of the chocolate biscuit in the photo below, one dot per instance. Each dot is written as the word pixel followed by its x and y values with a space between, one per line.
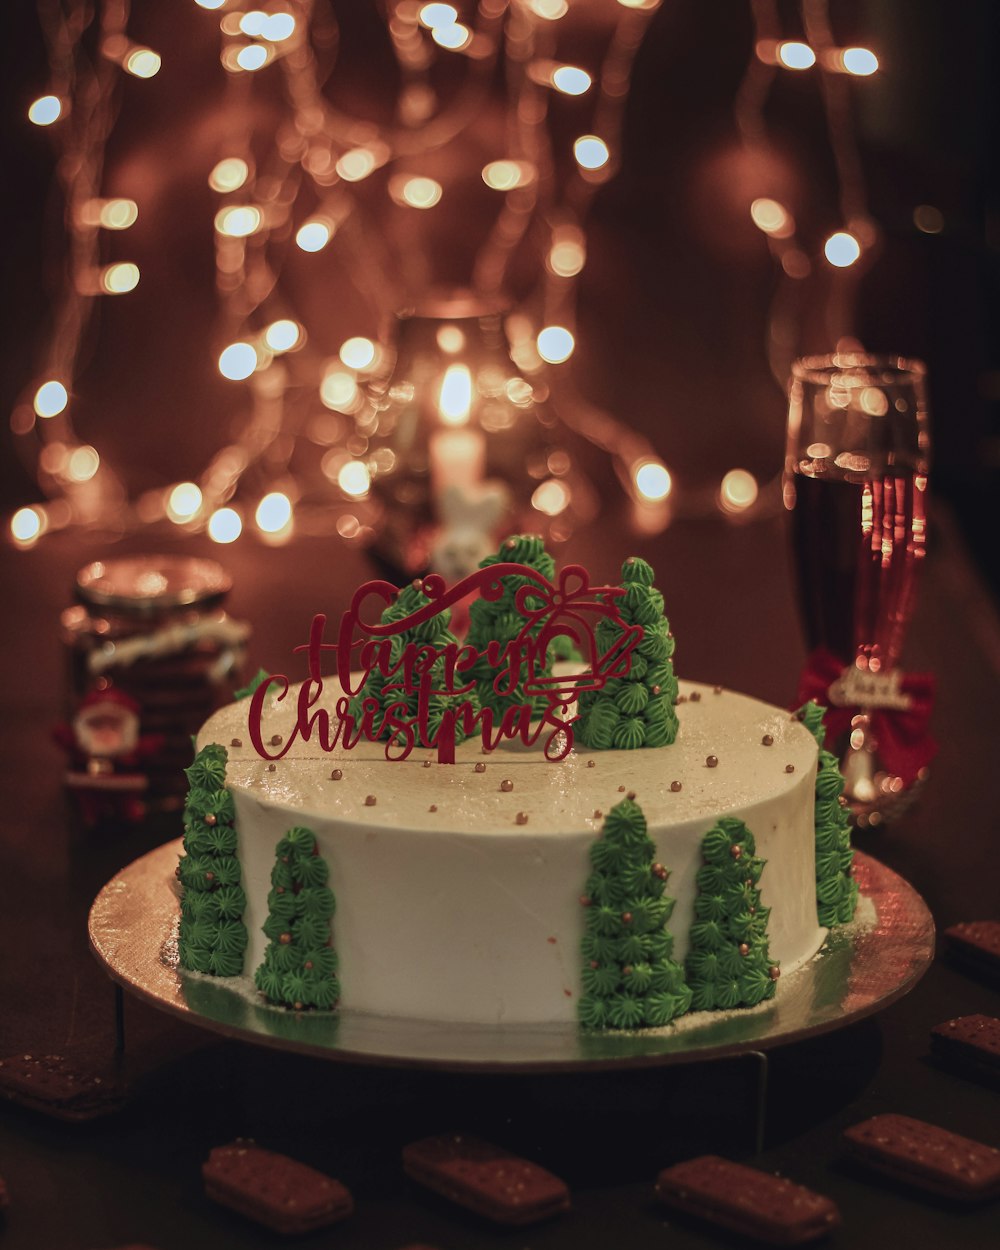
pixel 969 1043
pixel 278 1192
pixel 74 1088
pixel 484 1178
pixel 976 945
pixel 927 1156
pixel 747 1201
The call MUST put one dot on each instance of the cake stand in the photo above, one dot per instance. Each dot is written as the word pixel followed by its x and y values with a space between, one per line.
pixel 861 968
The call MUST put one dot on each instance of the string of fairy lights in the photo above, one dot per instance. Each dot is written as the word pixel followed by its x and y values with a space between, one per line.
pixel 301 183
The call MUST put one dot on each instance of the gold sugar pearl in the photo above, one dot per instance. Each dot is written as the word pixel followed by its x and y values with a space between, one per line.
pixel 767 740
pixel 789 768
pixel 370 800
pixel 506 785
pixel 591 764
pixel 480 767
pixel 712 761
pixel 522 818
pixel 675 786
pixel 695 696
pixel 276 740
pixel 236 742
pixel 337 774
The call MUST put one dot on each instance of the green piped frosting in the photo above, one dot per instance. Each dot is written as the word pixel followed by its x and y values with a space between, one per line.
pixel 212 937
pixel 629 979
pixel 299 969
pixel 433 632
pixel 636 710
pixel 498 620
pixel 728 964
pixel 836 890
pixel 258 679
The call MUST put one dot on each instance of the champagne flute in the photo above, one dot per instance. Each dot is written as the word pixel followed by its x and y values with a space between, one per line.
pixel 855 485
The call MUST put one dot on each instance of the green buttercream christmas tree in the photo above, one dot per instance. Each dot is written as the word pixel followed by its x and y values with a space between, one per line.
pixel 300 965
pixel 500 621
pixel 836 890
pixel 636 710
pixel 433 632
pixel 630 980
pixel 212 935
pixel 728 964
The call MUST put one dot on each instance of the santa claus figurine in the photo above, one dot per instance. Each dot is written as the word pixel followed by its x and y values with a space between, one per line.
pixel 106 753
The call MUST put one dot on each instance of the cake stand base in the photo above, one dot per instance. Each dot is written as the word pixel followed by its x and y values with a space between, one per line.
pixel 861 968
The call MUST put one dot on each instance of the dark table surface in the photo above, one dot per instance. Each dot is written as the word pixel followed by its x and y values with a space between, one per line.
pixel 135 1177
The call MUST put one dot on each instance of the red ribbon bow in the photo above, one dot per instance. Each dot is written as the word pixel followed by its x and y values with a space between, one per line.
pixel 905 745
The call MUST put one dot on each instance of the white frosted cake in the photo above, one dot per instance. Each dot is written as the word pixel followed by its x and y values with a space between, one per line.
pixel 458 887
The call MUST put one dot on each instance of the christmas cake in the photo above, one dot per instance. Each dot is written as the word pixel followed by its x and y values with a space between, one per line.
pixel 616 887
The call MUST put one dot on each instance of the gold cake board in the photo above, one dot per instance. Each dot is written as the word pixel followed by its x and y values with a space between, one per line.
pixel 861 968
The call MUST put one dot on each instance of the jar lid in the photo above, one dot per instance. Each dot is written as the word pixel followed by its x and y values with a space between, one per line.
pixel 148 584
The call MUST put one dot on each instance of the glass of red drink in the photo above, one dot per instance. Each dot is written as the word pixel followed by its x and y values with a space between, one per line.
pixel 856 486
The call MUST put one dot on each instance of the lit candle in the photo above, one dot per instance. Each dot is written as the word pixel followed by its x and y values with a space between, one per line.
pixel 457 452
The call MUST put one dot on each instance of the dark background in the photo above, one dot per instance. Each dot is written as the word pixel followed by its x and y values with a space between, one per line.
pixel 670 241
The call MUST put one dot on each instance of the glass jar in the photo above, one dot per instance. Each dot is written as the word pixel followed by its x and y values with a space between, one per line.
pixel 151 654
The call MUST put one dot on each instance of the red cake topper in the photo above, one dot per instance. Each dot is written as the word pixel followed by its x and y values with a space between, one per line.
pixel 425 688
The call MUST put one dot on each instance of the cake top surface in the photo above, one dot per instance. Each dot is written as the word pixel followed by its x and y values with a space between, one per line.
pixel 514 790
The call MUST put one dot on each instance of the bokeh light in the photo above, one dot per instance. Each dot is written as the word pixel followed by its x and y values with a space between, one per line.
pixel 238 361
pixel 26 525
pixel 45 110
pixel 357 352
pixel 83 463
pixel 771 217
pixel 120 278
pixel 50 399
pixel 738 491
pixel 252 57
pixel 842 249
pixel 274 513
pixel 184 502
pixel 454 38
pixel 652 480
pixel 354 478
pixel 591 152
pixel 861 62
pixel 551 497
pixel 571 80
pixel 415 191
pixel 549 10
pixel 283 335
pixel 117 214
pixel 795 55
pixel 506 175
pixel 313 236
pixel 225 525
pixel 555 344
pixel 339 391
pixel 434 15
pixel 238 220
pixel 229 174
pixel 143 63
